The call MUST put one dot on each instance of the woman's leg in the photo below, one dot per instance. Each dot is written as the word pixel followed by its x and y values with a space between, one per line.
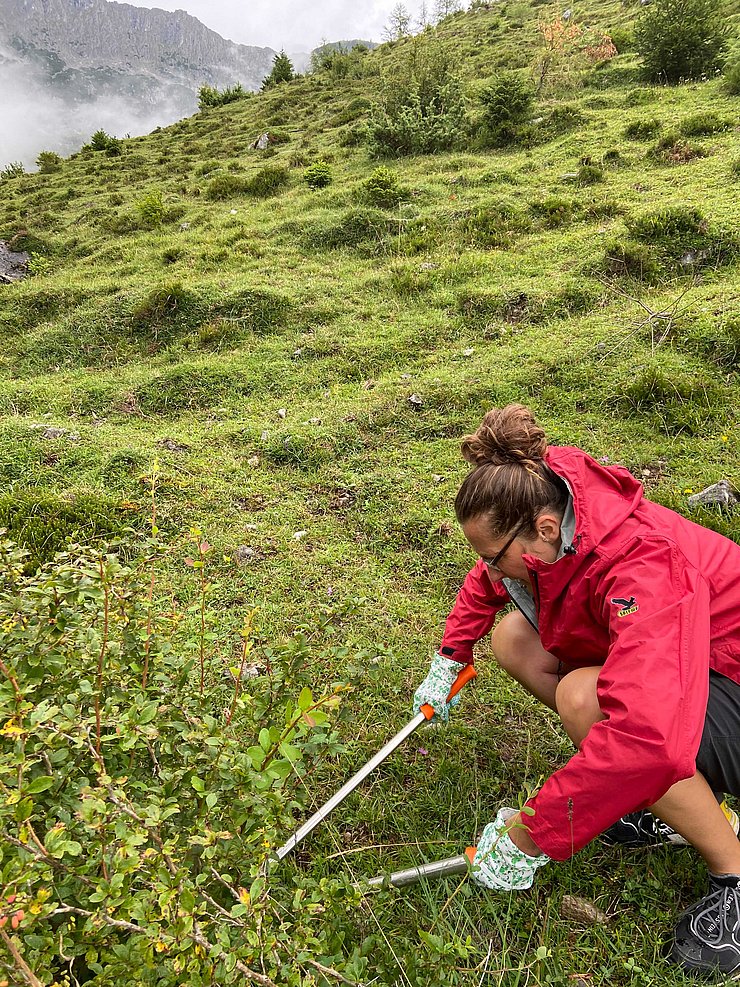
pixel 517 649
pixel 689 806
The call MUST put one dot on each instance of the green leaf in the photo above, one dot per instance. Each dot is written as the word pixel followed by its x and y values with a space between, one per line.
pixel 211 800
pixel 198 784
pixel 257 756
pixel 148 713
pixel 187 900
pixel 305 700
pixel 41 784
pixel 264 739
pixel 290 752
pixel 23 810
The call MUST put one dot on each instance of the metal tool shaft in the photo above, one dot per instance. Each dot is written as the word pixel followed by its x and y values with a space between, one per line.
pixel 439 868
pixel 351 785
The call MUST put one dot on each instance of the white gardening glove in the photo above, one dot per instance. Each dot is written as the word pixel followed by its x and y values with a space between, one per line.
pixel 435 688
pixel 500 865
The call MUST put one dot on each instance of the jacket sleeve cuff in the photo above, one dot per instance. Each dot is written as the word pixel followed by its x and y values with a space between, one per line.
pixel 463 654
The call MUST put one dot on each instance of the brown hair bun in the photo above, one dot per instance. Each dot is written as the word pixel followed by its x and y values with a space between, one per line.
pixel 506 435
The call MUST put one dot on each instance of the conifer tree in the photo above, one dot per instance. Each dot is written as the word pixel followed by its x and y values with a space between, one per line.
pixel 282 71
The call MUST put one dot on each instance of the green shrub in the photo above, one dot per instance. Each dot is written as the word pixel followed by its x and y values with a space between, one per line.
pixel 225 186
pixel 642 130
pixel 507 106
pixel 382 189
pixel 158 785
pixel 208 96
pixel 623 39
pixel 14 169
pixel 731 81
pixel 681 39
pixel 105 143
pixel 423 108
pixel 48 161
pixel 704 123
pixel 43 523
pixel 318 175
pixel 151 209
pixel 268 181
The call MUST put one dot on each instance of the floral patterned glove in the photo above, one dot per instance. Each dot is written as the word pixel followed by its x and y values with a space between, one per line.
pixel 499 864
pixel 436 688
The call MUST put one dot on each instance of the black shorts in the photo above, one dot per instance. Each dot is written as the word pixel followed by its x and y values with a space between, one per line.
pixel 719 752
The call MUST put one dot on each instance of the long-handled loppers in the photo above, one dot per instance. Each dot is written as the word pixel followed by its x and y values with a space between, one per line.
pixel 426 713
pixel 437 868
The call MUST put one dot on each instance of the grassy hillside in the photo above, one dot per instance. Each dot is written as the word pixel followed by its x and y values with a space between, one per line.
pixel 289 369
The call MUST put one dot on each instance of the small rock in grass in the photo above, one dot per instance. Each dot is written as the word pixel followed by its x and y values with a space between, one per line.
pixel 299 535
pixel 245 554
pixel 173 446
pixel 718 493
pixel 416 401
pixel 581 910
pixel 253 461
pixel 282 412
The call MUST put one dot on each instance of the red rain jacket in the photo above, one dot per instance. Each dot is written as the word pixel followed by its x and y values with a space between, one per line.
pixel 652 598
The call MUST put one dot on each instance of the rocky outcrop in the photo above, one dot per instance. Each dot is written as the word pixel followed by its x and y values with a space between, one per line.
pixel 93 48
pixel 13 264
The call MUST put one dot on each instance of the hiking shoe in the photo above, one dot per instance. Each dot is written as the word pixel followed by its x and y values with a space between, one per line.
pixel 641 828
pixel 644 829
pixel 707 937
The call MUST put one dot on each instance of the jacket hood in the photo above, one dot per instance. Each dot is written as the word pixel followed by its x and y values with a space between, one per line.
pixel 613 495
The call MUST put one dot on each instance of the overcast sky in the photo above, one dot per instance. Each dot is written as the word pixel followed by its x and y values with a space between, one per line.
pixel 289 24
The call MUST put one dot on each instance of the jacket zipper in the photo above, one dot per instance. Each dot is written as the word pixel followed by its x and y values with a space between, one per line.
pixel 536 591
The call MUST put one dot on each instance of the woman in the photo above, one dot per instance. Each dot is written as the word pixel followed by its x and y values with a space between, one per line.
pixel 627 624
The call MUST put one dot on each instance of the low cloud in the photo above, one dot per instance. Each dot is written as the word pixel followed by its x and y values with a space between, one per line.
pixel 35 119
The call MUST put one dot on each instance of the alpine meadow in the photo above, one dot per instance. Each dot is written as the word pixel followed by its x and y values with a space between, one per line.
pixel 232 391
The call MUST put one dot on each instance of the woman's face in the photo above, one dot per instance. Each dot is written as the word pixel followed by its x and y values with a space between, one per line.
pixel 503 554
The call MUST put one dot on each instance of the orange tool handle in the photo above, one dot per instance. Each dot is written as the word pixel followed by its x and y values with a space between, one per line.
pixel 470 852
pixel 464 676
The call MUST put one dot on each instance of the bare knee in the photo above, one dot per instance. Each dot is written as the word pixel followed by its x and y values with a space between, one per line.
pixel 577 702
pixel 513 640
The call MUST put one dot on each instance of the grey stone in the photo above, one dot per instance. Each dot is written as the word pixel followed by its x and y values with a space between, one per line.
pixel 13 264
pixel 718 493
pixel 245 554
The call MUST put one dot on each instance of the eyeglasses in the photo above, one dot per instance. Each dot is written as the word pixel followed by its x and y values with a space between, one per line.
pixel 493 563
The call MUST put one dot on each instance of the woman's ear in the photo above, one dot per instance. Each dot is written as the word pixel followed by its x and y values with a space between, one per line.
pixel 548 528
